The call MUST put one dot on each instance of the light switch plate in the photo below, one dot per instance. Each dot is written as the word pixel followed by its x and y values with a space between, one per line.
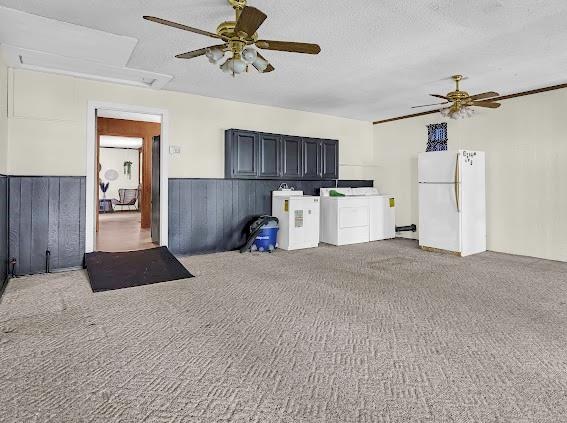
pixel 174 149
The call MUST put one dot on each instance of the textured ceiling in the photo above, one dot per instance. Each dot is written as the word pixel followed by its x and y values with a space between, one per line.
pixel 379 57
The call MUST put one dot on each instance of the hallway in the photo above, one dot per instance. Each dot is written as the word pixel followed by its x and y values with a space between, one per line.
pixel 121 231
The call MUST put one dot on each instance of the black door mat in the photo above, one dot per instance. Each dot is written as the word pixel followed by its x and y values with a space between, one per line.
pixel 109 271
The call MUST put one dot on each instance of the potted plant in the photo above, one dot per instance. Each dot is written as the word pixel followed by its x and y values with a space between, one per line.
pixel 128 169
pixel 104 187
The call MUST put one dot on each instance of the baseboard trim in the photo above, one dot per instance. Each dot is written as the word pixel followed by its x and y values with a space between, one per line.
pixel 66 269
pixel 439 250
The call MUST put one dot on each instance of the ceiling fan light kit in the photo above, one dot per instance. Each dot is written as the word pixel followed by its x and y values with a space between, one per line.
pixel 261 64
pixel 239 37
pixel 462 113
pixel 214 54
pixel 249 55
pixel 461 103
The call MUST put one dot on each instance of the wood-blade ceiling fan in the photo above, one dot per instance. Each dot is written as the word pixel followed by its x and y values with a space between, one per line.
pixel 461 102
pixel 238 37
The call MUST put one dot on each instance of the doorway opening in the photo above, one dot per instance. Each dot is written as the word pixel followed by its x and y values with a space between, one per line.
pixel 128 210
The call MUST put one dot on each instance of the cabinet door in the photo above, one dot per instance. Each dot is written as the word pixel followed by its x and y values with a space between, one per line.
pixel 244 154
pixel 291 157
pixel 330 158
pixel 269 155
pixel 311 158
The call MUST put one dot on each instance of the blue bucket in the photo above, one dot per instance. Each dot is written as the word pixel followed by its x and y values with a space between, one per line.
pixel 267 238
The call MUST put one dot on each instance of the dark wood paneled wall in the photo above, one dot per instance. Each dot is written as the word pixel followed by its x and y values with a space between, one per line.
pixel 46 213
pixel 210 215
pixel 3 231
pixel 205 215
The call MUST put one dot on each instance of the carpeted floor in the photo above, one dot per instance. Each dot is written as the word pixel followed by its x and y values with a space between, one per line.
pixel 379 332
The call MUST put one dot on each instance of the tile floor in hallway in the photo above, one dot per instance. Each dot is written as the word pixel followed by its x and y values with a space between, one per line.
pixel 121 231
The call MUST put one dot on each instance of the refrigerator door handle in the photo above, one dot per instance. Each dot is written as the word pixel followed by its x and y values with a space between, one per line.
pixel 458 184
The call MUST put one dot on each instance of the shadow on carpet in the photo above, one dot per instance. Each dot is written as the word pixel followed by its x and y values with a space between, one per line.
pixel 108 271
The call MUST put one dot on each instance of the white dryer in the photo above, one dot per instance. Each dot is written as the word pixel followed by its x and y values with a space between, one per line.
pixel 298 216
pixel 362 215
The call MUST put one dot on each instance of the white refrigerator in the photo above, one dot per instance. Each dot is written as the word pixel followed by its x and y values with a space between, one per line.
pixel 452 201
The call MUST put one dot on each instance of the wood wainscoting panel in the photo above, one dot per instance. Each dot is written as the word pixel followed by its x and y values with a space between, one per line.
pixel 46 213
pixel 211 215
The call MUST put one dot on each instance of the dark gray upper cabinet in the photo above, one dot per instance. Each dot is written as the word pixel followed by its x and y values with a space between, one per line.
pixel 311 158
pixel 270 155
pixel 330 159
pixel 251 155
pixel 291 157
pixel 241 154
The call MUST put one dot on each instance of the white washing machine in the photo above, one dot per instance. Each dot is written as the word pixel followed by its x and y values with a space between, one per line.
pixel 362 215
pixel 298 217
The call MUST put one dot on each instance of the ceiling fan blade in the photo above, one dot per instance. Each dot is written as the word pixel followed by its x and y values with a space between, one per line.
pixel 192 54
pixel 489 104
pixel 250 20
pixel 440 96
pixel 489 94
pixel 200 52
pixel 269 68
pixel 180 26
pixel 427 105
pixel 291 47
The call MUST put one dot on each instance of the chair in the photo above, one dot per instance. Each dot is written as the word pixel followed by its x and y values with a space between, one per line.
pixel 128 197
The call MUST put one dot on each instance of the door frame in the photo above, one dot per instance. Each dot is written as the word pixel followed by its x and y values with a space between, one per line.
pixel 91 167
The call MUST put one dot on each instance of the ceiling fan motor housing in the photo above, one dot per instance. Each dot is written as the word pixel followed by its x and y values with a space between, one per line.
pixel 226 31
pixel 458 95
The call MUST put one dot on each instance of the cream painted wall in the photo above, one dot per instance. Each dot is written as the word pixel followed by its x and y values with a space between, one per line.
pixel 526 151
pixel 48 117
pixel 3 117
pixel 114 158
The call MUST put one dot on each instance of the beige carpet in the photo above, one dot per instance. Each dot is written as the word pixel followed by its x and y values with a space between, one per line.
pixel 379 332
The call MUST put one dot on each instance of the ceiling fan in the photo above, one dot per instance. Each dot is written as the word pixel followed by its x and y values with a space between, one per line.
pixel 462 103
pixel 237 38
